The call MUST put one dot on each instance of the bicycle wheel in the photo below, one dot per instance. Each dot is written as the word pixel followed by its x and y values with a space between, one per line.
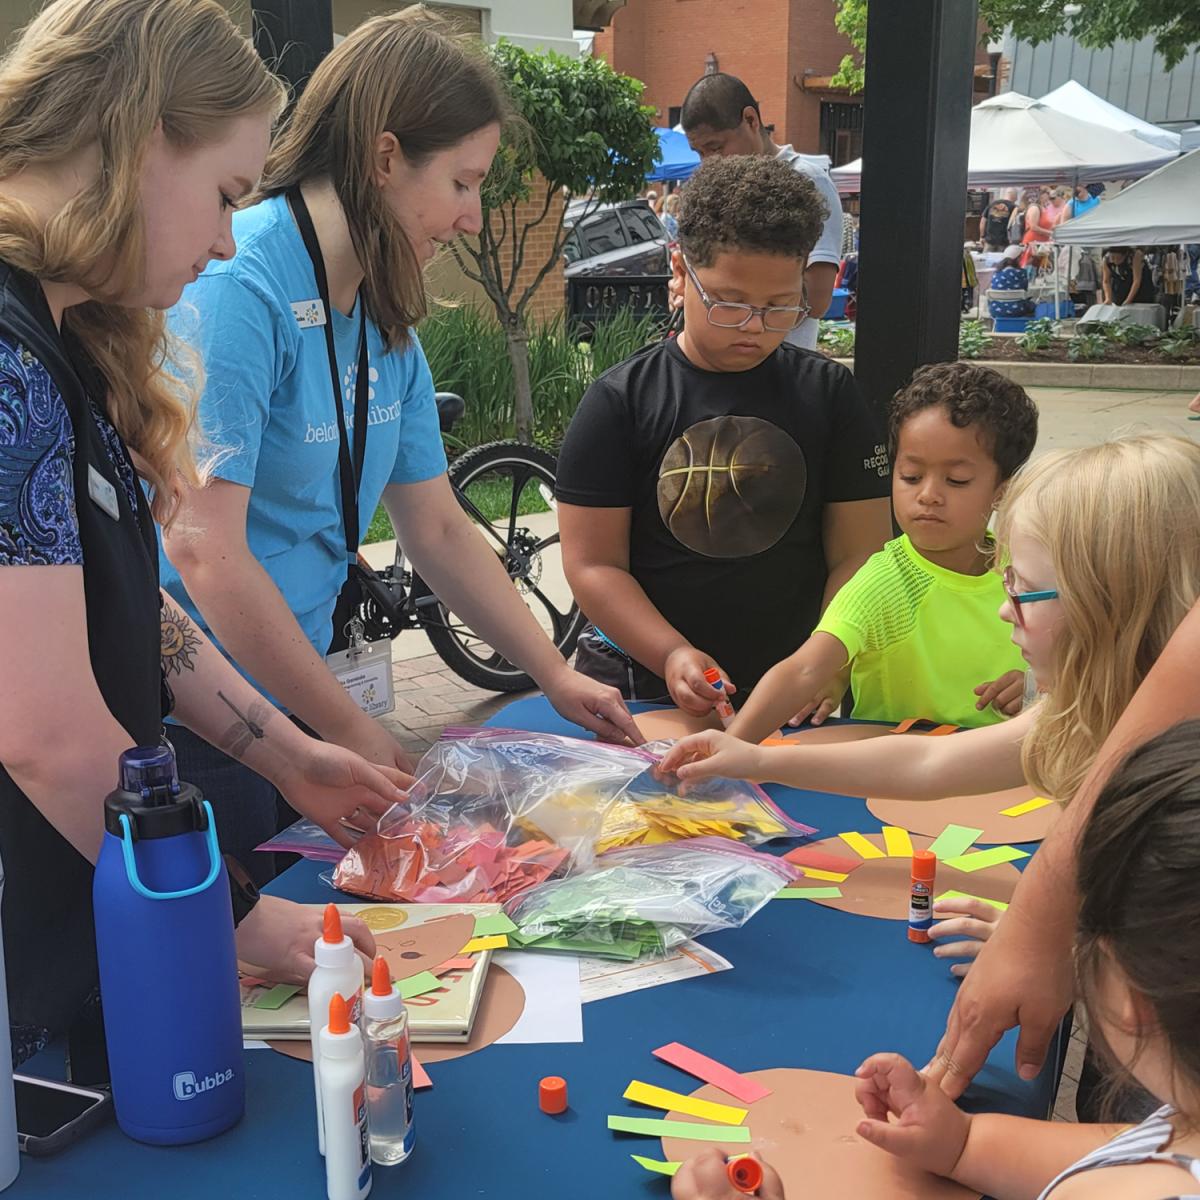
pixel 507 490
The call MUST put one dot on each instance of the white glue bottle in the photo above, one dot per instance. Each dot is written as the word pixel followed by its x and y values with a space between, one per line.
pixel 338 969
pixel 344 1106
pixel 389 1069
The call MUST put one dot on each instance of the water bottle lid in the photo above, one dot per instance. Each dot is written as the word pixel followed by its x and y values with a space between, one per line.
pixel 149 771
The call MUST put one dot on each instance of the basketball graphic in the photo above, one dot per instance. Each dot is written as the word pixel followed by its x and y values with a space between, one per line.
pixel 731 486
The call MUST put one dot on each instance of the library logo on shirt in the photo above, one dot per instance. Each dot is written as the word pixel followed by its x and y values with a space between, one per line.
pixel 377 414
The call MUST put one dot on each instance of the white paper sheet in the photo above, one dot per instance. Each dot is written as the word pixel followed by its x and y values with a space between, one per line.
pixel 553 1007
pixel 602 977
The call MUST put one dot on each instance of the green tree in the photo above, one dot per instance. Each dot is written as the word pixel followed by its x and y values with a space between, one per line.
pixel 583 129
pixel 1174 25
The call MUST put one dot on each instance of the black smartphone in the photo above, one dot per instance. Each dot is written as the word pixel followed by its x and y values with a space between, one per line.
pixel 52 1115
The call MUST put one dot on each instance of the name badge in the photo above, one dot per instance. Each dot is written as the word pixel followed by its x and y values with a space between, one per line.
pixel 365 671
pixel 309 313
pixel 103 493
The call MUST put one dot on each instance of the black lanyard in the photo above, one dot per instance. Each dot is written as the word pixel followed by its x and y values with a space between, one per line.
pixel 349 470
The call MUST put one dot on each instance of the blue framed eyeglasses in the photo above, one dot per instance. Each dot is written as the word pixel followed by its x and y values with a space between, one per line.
pixel 1020 598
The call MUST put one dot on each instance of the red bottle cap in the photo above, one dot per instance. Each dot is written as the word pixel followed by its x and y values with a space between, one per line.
pixel 745 1174
pixel 552 1095
pixel 924 865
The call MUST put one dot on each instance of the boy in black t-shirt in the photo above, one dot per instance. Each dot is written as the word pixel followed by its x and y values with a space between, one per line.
pixel 716 489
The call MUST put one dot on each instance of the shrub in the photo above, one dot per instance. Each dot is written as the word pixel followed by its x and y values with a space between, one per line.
pixel 1038 335
pixel 837 340
pixel 973 339
pixel 1087 347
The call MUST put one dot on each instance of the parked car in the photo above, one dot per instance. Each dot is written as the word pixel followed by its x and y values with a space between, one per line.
pixel 617 257
pixel 614 239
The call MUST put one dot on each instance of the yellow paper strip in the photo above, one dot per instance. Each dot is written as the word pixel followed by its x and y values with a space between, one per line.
pixel 858 843
pixel 706 1110
pixel 828 876
pixel 1019 810
pixel 896 842
pixel 496 942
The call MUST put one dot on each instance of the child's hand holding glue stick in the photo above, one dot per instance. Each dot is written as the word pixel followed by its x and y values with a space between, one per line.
pixel 707 1177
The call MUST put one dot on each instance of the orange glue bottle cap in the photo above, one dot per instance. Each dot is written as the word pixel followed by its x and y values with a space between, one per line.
pixel 552 1095
pixel 339 1014
pixel 381 977
pixel 745 1174
pixel 333 924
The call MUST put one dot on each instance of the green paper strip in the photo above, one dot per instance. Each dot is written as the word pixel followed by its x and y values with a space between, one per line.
pixel 652 1127
pixel 277 997
pixel 418 985
pixel 656 1164
pixel 954 840
pixel 823 893
pixel 985 858
pixel 968 896
pixel 495 924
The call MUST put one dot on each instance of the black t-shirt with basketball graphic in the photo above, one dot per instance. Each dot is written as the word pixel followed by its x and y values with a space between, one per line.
pixel 727 475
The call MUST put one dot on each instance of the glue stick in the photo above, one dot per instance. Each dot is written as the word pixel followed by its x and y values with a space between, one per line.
pixel 724 709
pixel 344 1106
pixel 920 901
pixel 338 969
pixel 745 1174
pixel 389 1069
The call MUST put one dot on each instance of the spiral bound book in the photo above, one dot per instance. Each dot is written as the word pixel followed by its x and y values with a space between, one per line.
pixel 420 942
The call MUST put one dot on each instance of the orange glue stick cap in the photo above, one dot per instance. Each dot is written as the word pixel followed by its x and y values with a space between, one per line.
pixel 924 865
pixel 552 1095
pixel 712 675
pixel 745 1174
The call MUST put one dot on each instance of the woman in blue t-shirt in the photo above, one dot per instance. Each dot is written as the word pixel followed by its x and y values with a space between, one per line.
pixel 382 162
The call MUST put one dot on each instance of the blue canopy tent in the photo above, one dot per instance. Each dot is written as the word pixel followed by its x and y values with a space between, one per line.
pixel 677 160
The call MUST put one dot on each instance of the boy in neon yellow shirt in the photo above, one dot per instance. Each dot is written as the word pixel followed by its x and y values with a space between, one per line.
pixel 918 624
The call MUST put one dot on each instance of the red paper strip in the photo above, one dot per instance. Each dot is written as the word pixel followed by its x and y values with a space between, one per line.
pixel 420 1075
pixel 462 963
pixel 711 1071
pixel 810 856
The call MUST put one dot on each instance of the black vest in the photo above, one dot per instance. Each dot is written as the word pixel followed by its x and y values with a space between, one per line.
pixel 49 940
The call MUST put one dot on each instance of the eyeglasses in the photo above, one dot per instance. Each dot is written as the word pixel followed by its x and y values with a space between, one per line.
pixel 1019 598
pixel 776 317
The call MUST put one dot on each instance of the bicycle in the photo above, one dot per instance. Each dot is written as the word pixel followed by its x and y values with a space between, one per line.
pixel 515 481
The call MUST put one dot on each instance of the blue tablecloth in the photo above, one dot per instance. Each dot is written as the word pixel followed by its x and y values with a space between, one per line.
pixel 810 987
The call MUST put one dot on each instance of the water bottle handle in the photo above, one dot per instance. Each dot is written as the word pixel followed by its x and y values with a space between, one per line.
pixel 131 872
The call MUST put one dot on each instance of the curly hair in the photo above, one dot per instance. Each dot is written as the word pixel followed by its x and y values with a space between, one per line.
pixel 1003 415
pixel 749 203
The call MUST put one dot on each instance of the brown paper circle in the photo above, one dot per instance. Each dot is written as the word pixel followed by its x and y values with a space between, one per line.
pixel 978 812
pixel 672 724
pixel 805 1130
pixel 880 887
pixel 499 1010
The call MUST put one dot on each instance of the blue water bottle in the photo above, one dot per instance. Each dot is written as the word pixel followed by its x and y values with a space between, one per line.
pixel 168 968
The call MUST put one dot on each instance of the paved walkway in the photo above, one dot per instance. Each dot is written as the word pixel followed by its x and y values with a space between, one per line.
pixel 430 696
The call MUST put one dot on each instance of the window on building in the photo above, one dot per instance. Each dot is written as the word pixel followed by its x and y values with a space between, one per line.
pixel 674 115
pixel 841 131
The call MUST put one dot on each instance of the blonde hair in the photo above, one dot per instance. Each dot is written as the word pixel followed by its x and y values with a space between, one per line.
pixel 103 74
pixel 1121 523
pixel 407 74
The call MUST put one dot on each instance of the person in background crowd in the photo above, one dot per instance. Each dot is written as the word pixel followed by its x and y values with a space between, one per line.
pixel 993 225
pixel 721 117
pixel 1010 277
pixel 670 208
pixel 1082 201
pixel 1016 223
pixel 1127 279
pixel 1038 224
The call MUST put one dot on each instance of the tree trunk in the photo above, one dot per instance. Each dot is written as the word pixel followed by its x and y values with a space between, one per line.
pixel 518 355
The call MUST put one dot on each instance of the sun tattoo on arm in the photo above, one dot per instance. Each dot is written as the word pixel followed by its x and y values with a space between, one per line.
pixel 179 641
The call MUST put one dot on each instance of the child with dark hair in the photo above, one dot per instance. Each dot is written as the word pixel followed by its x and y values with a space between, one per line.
pixel 1137 968
pixel 918 627
pixel 716 489
pixel 1137 963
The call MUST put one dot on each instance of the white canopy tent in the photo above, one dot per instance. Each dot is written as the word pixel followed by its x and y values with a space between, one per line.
pixel 1018 140
pixel 1076 101
pixel 1162 209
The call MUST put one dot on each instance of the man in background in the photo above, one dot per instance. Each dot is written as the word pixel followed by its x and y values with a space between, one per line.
pixel 993 225
pixel 720 117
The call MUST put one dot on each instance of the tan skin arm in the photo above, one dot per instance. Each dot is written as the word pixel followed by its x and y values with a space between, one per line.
pixel 1026 977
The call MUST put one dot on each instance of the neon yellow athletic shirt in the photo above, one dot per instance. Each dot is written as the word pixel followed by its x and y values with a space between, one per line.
pixel 921 638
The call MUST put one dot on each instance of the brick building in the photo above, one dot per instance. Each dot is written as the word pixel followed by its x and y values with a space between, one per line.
pixel 784 50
